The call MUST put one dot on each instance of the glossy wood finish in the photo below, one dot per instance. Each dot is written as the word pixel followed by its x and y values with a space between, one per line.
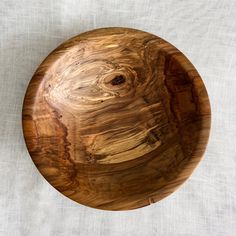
pixel 116 118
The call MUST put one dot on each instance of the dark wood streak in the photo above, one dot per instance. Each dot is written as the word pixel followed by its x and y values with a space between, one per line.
pixel 116 118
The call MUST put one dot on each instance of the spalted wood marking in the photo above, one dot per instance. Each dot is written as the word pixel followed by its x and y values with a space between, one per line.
pixel 116 118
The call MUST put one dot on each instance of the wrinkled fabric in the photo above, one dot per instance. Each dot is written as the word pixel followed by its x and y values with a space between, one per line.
pixel 205 31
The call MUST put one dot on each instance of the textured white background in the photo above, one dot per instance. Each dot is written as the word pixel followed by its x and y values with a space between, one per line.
pixel 205 31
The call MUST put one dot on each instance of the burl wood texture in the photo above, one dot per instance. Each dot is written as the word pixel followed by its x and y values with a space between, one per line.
pixel 116 118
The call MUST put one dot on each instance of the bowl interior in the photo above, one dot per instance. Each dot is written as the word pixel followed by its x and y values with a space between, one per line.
pixel 116 118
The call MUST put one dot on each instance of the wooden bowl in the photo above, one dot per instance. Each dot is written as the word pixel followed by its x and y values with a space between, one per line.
pixel 116 118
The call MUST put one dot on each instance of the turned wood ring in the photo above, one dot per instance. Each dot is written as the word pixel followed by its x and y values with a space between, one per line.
pixel 116 118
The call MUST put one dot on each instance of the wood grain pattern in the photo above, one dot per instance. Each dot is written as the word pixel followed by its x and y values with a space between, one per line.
pixel 116 118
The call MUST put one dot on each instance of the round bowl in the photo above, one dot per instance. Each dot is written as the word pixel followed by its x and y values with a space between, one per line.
pixel 116 118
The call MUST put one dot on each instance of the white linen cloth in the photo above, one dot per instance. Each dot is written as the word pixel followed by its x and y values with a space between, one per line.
pixel 205 31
